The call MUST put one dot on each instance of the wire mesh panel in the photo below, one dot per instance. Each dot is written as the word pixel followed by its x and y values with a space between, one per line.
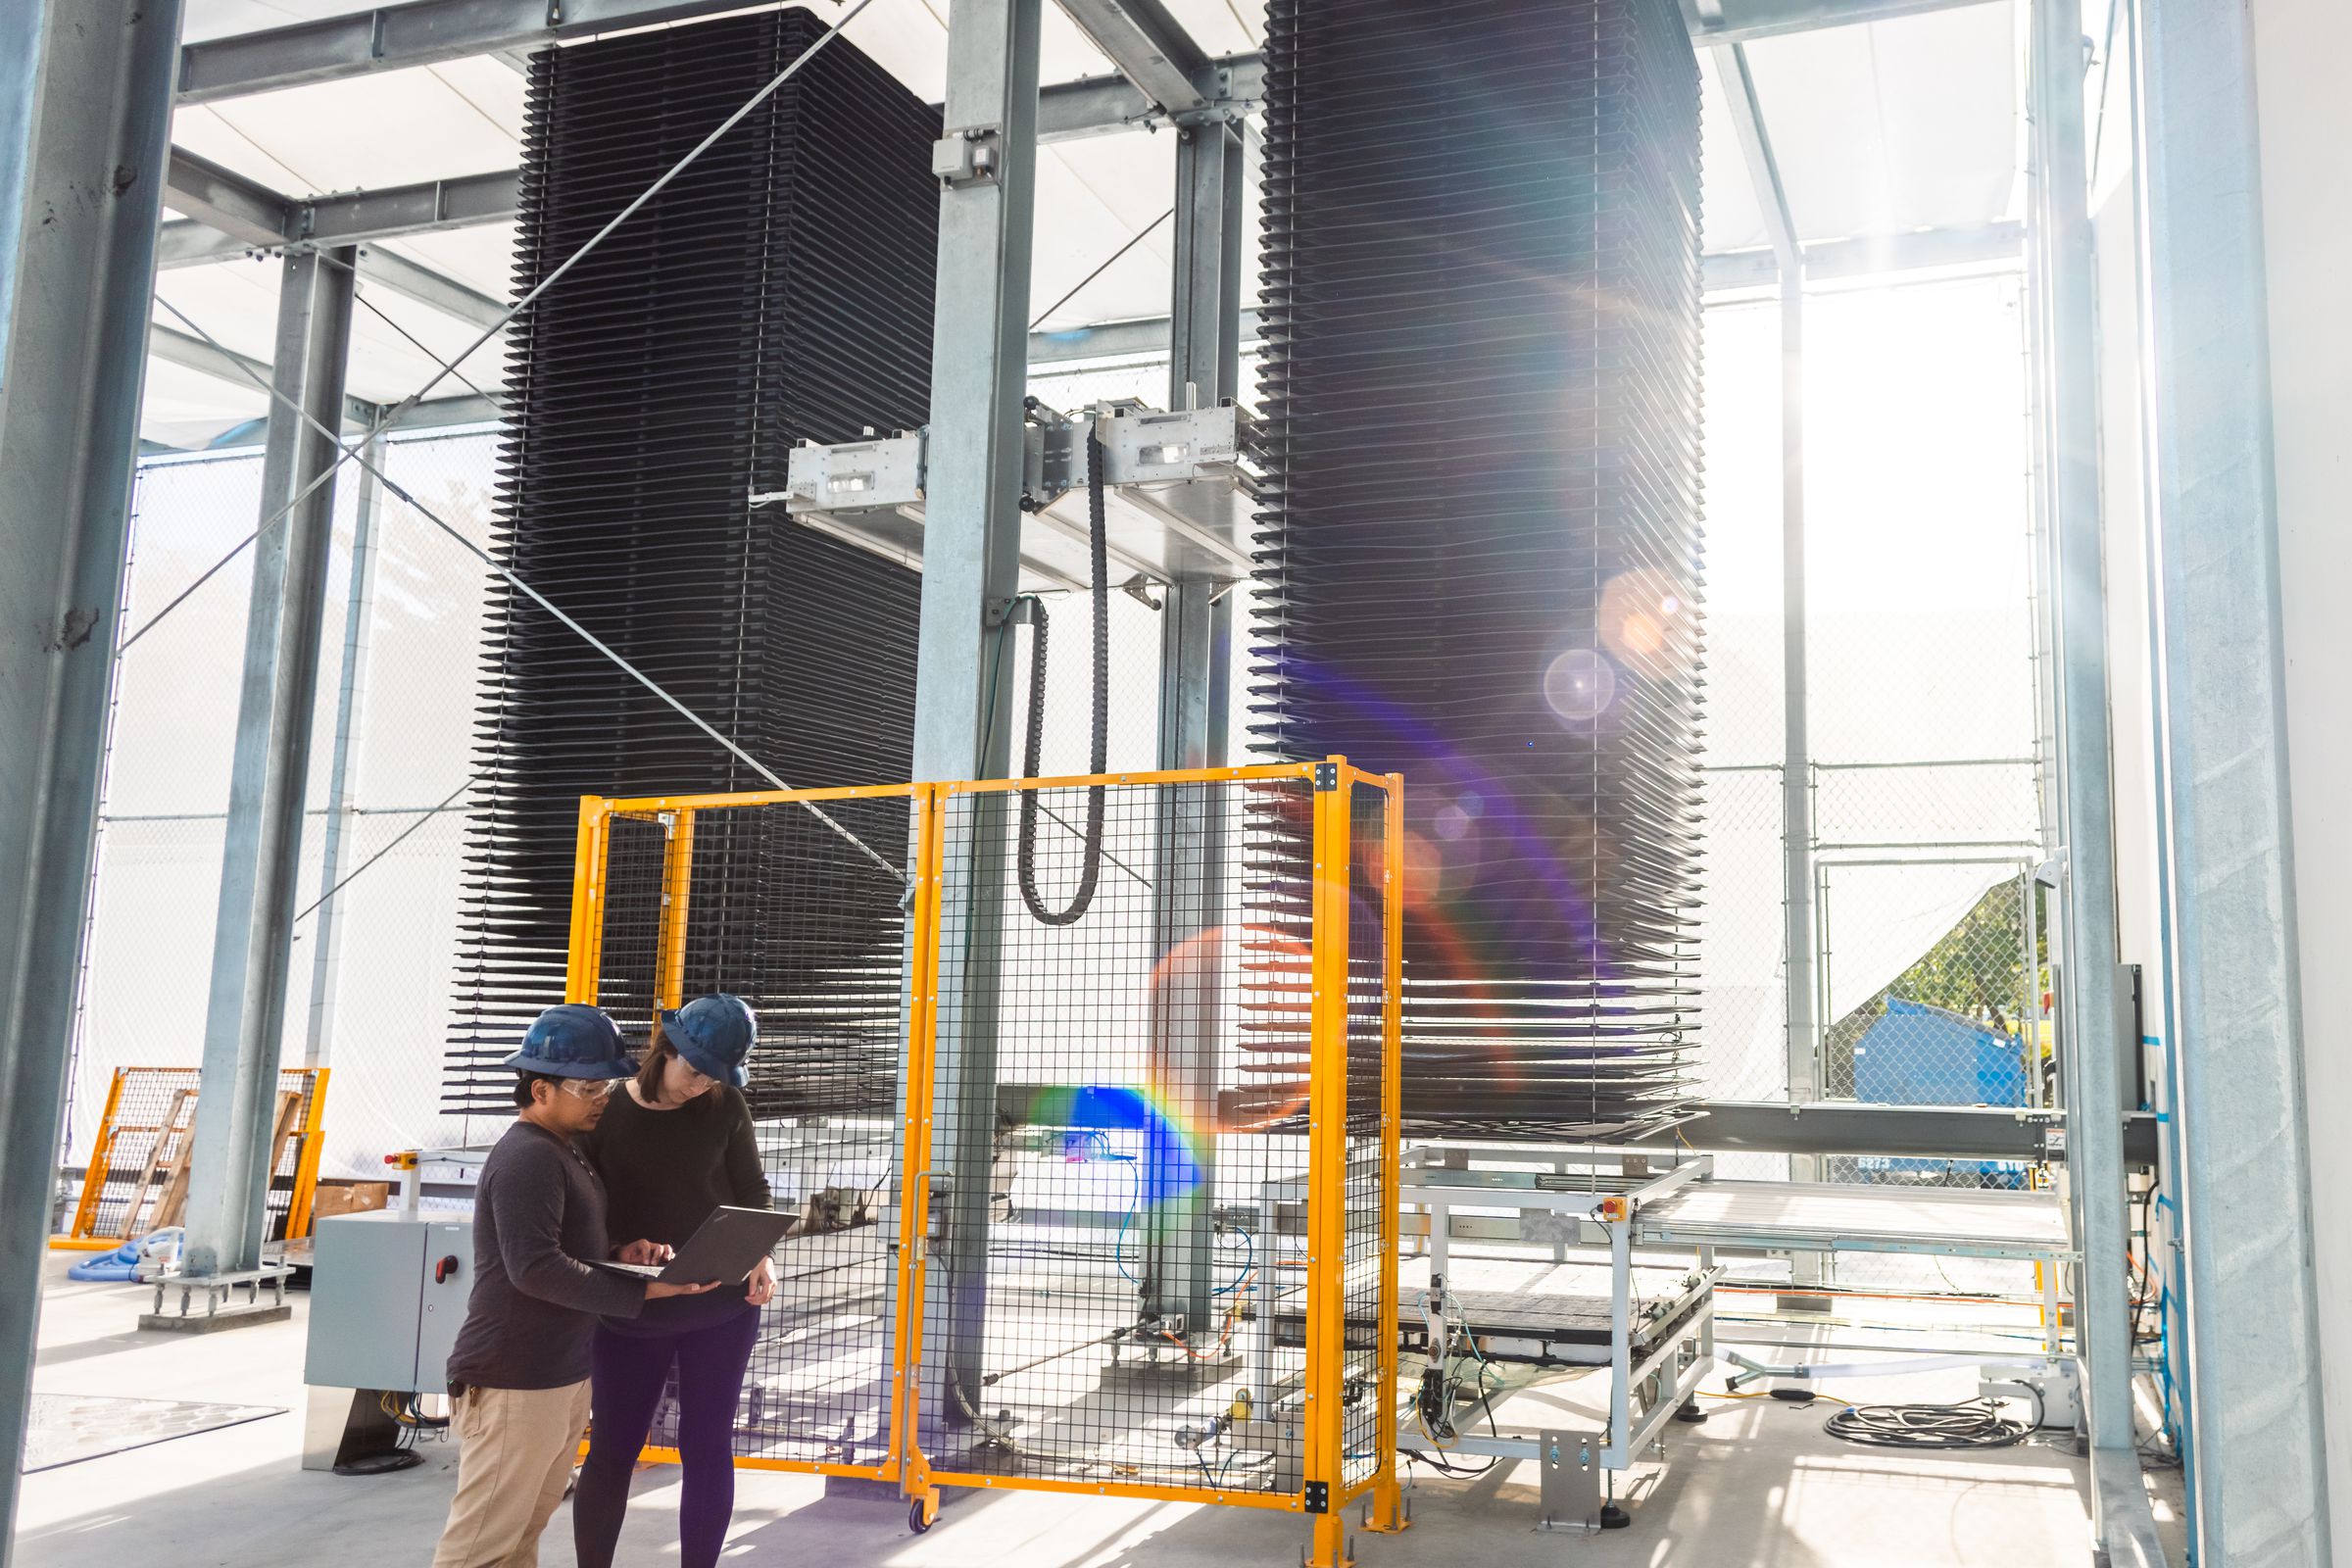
pixel 137 1179
pixel 793 904
pixel 1106 1199
pixel 1958 1024
pixel 1147 1176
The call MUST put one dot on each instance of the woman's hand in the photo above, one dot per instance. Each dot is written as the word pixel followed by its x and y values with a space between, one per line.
pixel 762 1288
pixel 655 1289
pixel 645 1253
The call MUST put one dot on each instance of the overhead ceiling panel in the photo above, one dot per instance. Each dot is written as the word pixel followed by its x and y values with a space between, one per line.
pixel 203 19
pixel 1730 218
pixel 399 127
pixel 1893 125
pixel 1222 27
pixel 482 259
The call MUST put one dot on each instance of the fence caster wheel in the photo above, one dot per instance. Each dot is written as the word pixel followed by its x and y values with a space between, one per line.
pixel 923 1513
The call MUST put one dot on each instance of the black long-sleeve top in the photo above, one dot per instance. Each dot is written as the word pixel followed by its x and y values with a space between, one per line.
pixel 664 1171
pixel 538 1212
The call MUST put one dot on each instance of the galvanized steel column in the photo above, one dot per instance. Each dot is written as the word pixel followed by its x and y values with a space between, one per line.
pixel 1204 326
pixel 2090 1057
pixel 358 603
pixel 1796 746
pixel 2255 1416
pixel 1204 345
pixel 85 95
pixel 268 772
pixel 964 699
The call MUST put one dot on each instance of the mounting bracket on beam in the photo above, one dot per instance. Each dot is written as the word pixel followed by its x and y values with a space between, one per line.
pixel 1179 492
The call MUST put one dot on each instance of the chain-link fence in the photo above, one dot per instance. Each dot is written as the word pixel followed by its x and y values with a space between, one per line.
pixel 374 1007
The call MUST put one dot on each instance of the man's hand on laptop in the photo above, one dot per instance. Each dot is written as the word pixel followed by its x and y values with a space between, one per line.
pixel 645 1253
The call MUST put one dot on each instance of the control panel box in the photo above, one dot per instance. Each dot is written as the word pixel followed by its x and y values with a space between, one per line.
pixel 388 1292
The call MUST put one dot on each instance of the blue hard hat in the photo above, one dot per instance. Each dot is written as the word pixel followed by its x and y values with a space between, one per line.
pixel 713 1033
pixel 573 1041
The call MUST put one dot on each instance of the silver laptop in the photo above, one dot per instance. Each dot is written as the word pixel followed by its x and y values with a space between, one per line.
pixel 728 1246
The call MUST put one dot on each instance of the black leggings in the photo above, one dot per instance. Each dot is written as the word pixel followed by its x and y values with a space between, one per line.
pixel 630 1370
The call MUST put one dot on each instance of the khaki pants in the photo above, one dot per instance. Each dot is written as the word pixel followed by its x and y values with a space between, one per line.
pixel 516 1454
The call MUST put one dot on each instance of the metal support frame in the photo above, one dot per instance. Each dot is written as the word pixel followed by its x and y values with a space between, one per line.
pixel 252 934
pixel 427 32
pixel 2258 1484
pixel 1993 246
pixel 235 369
pixel 84 94
pixel 971 564
pixel 1132 32
pixel 450 298
pixel 359 605
pixel 1606 1216
pixel 1196 671
pixel 2066 278
pixel 356 218
pixel 1149 47
pixel 245 212
pixel 1746 21
pixel 1798 934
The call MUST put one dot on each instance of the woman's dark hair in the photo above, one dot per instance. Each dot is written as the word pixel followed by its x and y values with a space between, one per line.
pixel 523 1086
pixel 658 1052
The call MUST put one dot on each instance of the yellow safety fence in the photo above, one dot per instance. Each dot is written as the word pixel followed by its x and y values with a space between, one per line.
pixel 1085 1091
pixel 136 1179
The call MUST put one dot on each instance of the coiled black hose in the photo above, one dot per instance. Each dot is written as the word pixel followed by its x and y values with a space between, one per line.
pixel 1970 1424
pixel 1098 753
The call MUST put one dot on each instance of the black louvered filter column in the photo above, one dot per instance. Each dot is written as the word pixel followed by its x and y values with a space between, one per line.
pixel 780 289
pixel 1480 558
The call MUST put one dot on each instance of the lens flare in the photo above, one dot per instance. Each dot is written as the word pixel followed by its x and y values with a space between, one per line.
pixel 1581 684
pixel 1642 623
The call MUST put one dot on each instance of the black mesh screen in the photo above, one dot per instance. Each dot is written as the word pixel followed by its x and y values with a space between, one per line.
pixel 780 289
pixel 1480 553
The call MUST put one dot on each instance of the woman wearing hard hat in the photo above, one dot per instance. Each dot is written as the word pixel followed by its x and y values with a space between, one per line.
pixel 675 1145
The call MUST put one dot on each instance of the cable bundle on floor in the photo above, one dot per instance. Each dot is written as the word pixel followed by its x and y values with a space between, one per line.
pixel 1480 560
pixel 780 289
pixel 1970 1424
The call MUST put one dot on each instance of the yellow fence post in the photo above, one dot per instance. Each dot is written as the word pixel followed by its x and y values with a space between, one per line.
pixel 587 902
pixel 306 1162
pixel 1327 1169
pixel 93 1176
pixel 677 884
pixel 1388 1497
pixel 914 1194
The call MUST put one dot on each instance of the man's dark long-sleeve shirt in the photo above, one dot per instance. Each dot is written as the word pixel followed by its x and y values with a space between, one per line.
pixel 538 1210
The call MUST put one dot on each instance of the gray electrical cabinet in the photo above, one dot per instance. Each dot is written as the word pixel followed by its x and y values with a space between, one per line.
pixel 387 1294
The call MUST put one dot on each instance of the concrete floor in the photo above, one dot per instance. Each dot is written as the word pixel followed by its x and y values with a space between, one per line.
pixel 1758 1483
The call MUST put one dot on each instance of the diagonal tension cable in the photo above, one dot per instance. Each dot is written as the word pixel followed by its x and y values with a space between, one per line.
pixel 543 601
pixel 445 369
pixel 422 818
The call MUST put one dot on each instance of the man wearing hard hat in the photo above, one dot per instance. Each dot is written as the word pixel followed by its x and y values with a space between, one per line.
pixel 519 1374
